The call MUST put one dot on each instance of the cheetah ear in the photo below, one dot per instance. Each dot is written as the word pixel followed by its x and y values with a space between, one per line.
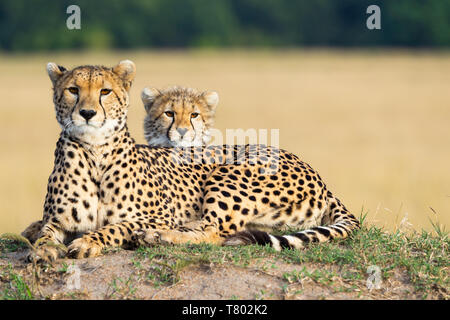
pixel 212 99
pixel 55 72
pixel 149 96
pixel 126 70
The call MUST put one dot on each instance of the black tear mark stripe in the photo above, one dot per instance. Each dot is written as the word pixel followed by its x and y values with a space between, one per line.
pixel 170 127
pixel 103 109
pixel 192 125
pixel 195 132
pixel 73 109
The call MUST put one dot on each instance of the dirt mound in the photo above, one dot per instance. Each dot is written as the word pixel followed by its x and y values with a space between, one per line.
pixel 128 275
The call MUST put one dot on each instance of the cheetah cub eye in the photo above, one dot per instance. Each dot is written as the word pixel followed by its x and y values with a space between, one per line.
pixel 73 90
pixel 170 114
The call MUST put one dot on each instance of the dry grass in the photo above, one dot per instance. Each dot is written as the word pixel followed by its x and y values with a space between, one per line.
pixel 375 125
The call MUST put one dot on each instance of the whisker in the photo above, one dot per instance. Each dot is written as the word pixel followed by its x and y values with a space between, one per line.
pixel 68 124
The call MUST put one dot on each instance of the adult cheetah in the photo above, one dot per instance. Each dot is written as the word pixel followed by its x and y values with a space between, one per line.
pixel 115 192
pixel 170 125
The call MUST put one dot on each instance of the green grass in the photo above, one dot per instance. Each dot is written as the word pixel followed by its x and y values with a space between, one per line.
pixel 122 288
pixel 7 245
pixel 16 288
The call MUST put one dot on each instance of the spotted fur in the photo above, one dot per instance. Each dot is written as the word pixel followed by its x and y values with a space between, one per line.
pixel 115 193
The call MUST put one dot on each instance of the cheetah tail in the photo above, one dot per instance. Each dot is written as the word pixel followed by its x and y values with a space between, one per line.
pixel 342 224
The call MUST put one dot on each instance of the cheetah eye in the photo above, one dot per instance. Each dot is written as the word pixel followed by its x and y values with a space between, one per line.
pixel 104 92
pixel 169 114
pixel 194 115
pixel 73 90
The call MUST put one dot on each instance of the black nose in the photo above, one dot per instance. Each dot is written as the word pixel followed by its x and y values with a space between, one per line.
pixel 87 114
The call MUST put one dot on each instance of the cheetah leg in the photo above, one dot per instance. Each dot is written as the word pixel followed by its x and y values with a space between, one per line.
pixel 203 233
pixel 114 235
pixel 49 246
pixel 342 224
pixel 217 223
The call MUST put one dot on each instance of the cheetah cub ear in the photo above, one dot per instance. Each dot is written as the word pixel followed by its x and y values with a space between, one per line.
pixel 212 99
pixel 149 96
pixel 55 72
pixel 126 70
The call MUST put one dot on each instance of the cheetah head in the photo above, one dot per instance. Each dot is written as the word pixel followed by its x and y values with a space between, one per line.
pixel 178 117
pixel 91 102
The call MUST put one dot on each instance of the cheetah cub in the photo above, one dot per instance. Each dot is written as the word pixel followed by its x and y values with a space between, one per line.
pixel 178 117
pixel 246 187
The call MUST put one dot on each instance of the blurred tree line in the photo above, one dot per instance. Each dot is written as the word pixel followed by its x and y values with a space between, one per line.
pixel 41 24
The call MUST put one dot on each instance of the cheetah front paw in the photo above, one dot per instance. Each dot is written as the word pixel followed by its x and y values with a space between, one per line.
pixel 46 253
pixel 84 247
pixel 146 237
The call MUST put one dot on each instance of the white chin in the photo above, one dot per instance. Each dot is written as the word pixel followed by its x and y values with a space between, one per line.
pixel 184 143
pixel 92 133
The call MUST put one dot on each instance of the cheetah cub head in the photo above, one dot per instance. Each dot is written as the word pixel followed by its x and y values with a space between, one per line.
pixel 91 102
pixel 178 117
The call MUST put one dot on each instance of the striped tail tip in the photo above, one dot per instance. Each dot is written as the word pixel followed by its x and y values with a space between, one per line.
pixel 297 240
pixel 261 238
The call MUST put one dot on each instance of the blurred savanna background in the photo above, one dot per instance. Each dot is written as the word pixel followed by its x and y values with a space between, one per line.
pixel 369 109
